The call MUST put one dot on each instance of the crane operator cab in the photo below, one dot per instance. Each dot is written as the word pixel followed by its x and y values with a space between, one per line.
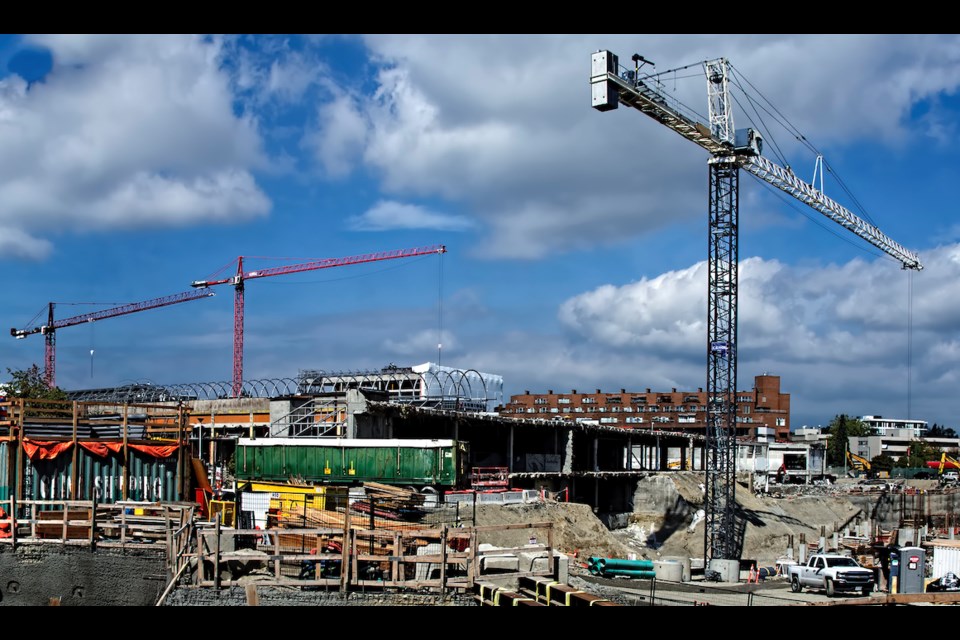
pixel 748 142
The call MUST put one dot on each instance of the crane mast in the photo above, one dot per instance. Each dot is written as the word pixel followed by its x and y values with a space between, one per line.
pixel 730 150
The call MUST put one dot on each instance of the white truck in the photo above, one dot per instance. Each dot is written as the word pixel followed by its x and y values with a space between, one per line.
pixel 831 572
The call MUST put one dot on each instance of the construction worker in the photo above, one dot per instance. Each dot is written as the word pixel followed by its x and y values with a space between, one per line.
pixel 4 526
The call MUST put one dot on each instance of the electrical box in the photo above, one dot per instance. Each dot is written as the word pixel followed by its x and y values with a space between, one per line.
pixel 912 570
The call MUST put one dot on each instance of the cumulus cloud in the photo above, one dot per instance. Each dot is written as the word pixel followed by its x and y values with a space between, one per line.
pixel 420 343
pixel 125 131
pixel 388 215
pixel 502 125
pixel 814 326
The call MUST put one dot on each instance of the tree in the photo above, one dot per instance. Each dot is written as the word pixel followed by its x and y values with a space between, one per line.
pixel 841 428
pixel 882 462
pixel 29 383
pixel 937 431
pixel 918 453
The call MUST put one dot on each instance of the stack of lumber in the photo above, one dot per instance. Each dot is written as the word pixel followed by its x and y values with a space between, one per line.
pixel 391 503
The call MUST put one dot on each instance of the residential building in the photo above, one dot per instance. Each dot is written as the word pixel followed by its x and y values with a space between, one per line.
pixel 880 426
pixel 763 412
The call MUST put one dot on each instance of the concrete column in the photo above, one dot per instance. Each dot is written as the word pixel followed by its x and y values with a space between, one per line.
pixel 802 556
pixel 629 454
pixel 596 493
pixel 568 453
pixel 657 461
pixel 790 546
pixel 683 457
pixel 596 446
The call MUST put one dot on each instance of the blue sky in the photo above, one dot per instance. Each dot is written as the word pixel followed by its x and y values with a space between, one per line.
pixel 134 165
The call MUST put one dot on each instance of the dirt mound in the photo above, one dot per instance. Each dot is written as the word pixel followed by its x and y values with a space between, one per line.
pixel 668 521
pixel 576 529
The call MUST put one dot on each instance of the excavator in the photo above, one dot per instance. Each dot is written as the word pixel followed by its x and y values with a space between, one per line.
pixel 952 468
pixel 858 463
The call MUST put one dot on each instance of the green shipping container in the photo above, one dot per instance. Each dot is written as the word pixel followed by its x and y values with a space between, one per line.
pixel 396 461
pixel 6 470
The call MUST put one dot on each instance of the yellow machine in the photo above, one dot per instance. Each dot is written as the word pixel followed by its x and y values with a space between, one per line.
pixel 954 468
pixel 858 462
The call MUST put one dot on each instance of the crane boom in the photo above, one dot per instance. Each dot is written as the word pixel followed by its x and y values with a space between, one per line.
pixel 730 150
pixel 241 276
pixel 49 329
pixel 609 88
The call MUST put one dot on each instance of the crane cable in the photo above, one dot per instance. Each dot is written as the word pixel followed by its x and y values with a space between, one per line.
pixel 909 340
pixel 440 310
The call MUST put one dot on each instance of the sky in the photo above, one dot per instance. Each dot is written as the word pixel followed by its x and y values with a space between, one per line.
pixel 576 240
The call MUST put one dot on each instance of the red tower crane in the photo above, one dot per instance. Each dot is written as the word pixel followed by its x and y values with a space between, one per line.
pixel 238 284
pixel 49 330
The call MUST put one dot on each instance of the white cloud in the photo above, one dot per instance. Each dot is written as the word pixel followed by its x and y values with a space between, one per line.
pixel 836 334
pixel 340 134
pixel 502 125
pixel 388 215
pixel 17 244
pixel 125 131
pixel 420 343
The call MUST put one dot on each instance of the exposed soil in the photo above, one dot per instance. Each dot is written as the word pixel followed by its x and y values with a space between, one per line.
pixel 668 521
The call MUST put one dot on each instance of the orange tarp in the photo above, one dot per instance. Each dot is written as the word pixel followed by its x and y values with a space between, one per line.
pixel 49 449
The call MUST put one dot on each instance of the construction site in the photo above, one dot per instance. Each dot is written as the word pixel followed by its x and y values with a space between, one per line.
pixel 412 485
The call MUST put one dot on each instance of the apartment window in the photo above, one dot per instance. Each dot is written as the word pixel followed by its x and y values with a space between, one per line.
pixel 744 398
pixel 615 409
pixel 745 408
pixel 687 419
pixel 540 401
pixel 781 422
pixel 638 399
pixel 566 409
pixel 578 409
pixel 563 400
pixel 608 420
pixel 542 410
pixel 614 400
pixel 602 409
pixel 530 410
pixel 554 410
pixel 588 400
pixel 634 420
pixel 628 409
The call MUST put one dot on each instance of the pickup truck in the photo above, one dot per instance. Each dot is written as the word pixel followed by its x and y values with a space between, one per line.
pixel 832 573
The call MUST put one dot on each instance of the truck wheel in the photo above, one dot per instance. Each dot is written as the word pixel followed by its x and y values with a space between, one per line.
pixel 795 585
pixel 829 586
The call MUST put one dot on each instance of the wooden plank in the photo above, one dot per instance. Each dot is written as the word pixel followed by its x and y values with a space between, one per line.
pixel 126 452
pixel 395 563
pixel 443 561
pixel 253 599
pixel 345 551
pixel 216 555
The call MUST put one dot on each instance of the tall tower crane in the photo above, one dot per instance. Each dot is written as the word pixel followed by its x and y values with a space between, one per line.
pixel 730 150
pixel 242 276
pixel 49 330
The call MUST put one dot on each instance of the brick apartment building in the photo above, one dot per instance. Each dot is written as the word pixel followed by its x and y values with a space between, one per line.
pixel 763 412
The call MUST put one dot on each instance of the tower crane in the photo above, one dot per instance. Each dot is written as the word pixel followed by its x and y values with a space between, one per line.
pixel 242 276
pixel 49 330
pixel 730 150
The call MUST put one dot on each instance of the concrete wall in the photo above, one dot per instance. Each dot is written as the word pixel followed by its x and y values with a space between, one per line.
pixel 231 406
pixel 286 596
pixel 33 574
